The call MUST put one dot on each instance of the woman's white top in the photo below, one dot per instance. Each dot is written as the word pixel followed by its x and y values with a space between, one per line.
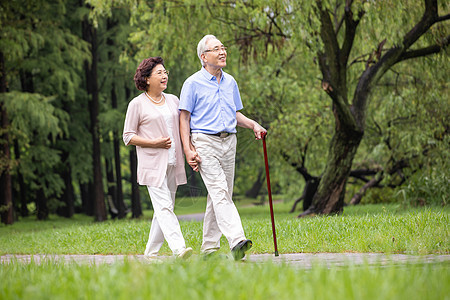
pixel 164 110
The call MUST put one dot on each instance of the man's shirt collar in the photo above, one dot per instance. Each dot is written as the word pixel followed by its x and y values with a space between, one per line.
pixel 209 76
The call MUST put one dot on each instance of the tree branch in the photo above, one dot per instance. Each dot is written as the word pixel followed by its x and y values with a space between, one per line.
pixel 356 199
pixel 430 16
pixel 338 24
pixel 425 51
pixel 350 32
pixel 374 72
pixel 299 168
pixel 443 18
pixel 334 78
pixel 360 173
pixel 330 44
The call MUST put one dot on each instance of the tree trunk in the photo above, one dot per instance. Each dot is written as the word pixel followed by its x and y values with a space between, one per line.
pixel 136 208
pixel 311 185
pixel 90 35
pixel 41 205
pixel 119 190
pixel 86 199
pixel 112 193
pixel 68 197
pixel 116 144
pixel 6 204
pixel 329 198
pixel 22 192
pixel 257 185
pixel 120 204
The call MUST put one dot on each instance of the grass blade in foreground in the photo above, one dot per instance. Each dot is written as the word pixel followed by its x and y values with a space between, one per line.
pixel 197 279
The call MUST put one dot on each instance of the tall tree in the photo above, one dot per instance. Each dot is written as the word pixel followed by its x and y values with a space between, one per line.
pixel 90 35
pixel 34 64
pixel 6 205
pixel 136 207
pixel 330 29
pixel 350 112
pixel 277 50
pixel 117 78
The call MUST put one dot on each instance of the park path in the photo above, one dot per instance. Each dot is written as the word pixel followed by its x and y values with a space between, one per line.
pixel 191 217
pixel 301 260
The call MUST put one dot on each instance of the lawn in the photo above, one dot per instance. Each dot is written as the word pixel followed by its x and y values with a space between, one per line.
pixel 369 228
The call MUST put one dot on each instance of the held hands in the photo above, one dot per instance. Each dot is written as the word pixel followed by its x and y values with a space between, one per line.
pixel 193 160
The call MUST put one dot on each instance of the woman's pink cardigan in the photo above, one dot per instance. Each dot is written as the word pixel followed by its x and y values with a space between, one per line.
pixel 145 120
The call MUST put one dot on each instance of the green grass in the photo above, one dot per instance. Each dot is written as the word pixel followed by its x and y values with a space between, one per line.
pixel 371 228
pixel 197 279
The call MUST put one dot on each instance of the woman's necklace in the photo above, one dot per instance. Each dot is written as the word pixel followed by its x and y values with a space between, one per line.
pixel 154 101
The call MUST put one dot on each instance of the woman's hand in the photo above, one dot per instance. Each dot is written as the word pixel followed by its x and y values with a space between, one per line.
pixel 162 142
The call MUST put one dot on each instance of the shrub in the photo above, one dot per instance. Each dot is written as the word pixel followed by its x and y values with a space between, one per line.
pixel 427 189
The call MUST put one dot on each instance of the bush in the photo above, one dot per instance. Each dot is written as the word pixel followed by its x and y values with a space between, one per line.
pixel 427 189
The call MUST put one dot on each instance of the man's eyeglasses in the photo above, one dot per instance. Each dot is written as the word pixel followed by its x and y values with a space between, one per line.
pixel 160 73
pixel 217 49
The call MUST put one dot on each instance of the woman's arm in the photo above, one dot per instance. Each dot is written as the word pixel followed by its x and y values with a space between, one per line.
pixel 162 142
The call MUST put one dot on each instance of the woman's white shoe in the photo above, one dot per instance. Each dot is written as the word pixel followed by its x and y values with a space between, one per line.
pixel 185 253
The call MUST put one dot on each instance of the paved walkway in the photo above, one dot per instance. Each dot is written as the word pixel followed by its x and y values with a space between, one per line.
pixel 192 217
pixel 303 260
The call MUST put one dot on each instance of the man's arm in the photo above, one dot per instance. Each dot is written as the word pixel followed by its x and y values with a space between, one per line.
pixel 243 121
pixel 189 149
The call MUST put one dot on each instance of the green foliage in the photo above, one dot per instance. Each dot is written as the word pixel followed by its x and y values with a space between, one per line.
pixel 32 114
pixel 111 120
pixel 273 48
pixel 43 64
pixel 430 188
pixel 37 123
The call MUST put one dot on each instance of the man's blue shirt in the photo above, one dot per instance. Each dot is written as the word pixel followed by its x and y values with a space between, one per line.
pixel 213 106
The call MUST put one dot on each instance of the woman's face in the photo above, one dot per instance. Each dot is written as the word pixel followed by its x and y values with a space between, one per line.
pixel 157 81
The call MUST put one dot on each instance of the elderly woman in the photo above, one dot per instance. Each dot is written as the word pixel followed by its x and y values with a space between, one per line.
pixel 152 125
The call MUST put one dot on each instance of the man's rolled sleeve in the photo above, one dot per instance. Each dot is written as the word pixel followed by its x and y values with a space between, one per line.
pixel 187 97
pixel 237 97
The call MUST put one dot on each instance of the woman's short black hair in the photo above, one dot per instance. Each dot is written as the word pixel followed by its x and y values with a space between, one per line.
pixel 144 70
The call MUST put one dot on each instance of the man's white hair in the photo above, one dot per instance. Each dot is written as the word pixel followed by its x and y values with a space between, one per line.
pixel 201 47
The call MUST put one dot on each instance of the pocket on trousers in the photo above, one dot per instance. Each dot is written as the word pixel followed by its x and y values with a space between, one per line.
pixel 210 167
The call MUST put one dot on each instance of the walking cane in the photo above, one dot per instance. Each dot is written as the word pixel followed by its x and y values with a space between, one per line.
pixel 270 193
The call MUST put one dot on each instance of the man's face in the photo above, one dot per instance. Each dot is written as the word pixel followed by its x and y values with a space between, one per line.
pixel 215 55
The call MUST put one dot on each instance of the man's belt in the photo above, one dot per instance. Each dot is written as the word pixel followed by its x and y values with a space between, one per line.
pixel 222 134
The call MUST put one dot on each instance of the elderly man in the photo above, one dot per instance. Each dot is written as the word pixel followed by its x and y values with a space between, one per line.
pixel 209 105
